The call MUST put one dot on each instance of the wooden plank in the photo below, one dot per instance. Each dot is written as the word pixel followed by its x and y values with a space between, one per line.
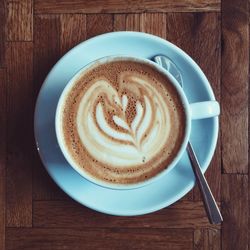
pixel 59 214
pixel 46 46
pixel 234 211
pixel 147 22
pixel 20 144
pixel 47 51
pixel 188 31
pixel 98 238
pixel 235 69
pixel 73 30
pixel 99 24
pixel 133 22
pixel 3 128
pixel 119 6
pixel 2 33
pixel 119 22
pixel 19 20
pixel 207 239
pixel 128 22
pixel 154 23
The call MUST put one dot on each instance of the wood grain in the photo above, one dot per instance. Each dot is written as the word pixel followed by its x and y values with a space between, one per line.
pixel 20 144
pixel 19 20
pixel 59 214
pixel 207 239
pixel 119 22
pixel 46 46
pixel 3 128
pixel 99 24
pixel 132 22
pixel 127 22
pixel 154 23
pixel 47 51
pixel 235 211
pixel 2 33
pixel 119 6
pixel 73 31
pixel 95 238
pixel 235 81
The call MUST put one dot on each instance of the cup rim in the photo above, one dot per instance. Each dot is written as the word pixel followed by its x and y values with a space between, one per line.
pixel 58 127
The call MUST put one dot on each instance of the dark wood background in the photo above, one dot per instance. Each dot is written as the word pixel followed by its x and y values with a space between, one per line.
pixel 34 212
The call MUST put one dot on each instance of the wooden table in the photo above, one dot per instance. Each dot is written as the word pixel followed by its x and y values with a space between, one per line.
pixel 34 212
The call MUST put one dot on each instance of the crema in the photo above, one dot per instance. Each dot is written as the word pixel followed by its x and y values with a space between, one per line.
pixel 123 122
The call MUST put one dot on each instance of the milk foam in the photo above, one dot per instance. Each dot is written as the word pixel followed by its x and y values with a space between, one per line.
pixel 141 141
pixel 123 122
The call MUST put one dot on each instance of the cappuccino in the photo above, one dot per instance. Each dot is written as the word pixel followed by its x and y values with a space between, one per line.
pixel 122 122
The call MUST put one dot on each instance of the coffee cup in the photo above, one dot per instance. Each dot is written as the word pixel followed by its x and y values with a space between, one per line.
pixel 124 122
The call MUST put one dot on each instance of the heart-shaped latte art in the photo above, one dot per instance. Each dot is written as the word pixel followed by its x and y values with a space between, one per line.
pixel 123 126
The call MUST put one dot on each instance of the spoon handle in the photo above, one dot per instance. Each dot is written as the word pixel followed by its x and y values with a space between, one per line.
pixel 211 207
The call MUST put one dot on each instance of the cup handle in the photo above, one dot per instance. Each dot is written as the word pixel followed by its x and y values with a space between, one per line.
pixel 198 110
pixel 201 110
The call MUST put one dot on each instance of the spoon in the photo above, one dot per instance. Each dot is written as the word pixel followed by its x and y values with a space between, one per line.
pixel 211 207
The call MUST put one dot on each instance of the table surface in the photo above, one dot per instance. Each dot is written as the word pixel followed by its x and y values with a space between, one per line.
pixel 34 212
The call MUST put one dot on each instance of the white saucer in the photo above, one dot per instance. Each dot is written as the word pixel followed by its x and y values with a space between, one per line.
pixel 170 187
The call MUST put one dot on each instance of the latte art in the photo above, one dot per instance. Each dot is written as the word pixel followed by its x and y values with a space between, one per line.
pixel 118 136
pixel 122 122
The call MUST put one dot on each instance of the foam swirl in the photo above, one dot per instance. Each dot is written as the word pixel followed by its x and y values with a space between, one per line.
pixel 123 126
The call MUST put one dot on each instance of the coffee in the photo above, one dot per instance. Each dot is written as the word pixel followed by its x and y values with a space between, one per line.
pixel 122 122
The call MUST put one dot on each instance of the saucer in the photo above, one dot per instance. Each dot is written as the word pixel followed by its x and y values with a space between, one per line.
pixel 152 197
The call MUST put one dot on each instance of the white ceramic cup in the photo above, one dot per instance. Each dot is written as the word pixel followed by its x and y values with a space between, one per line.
pixel 198 110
